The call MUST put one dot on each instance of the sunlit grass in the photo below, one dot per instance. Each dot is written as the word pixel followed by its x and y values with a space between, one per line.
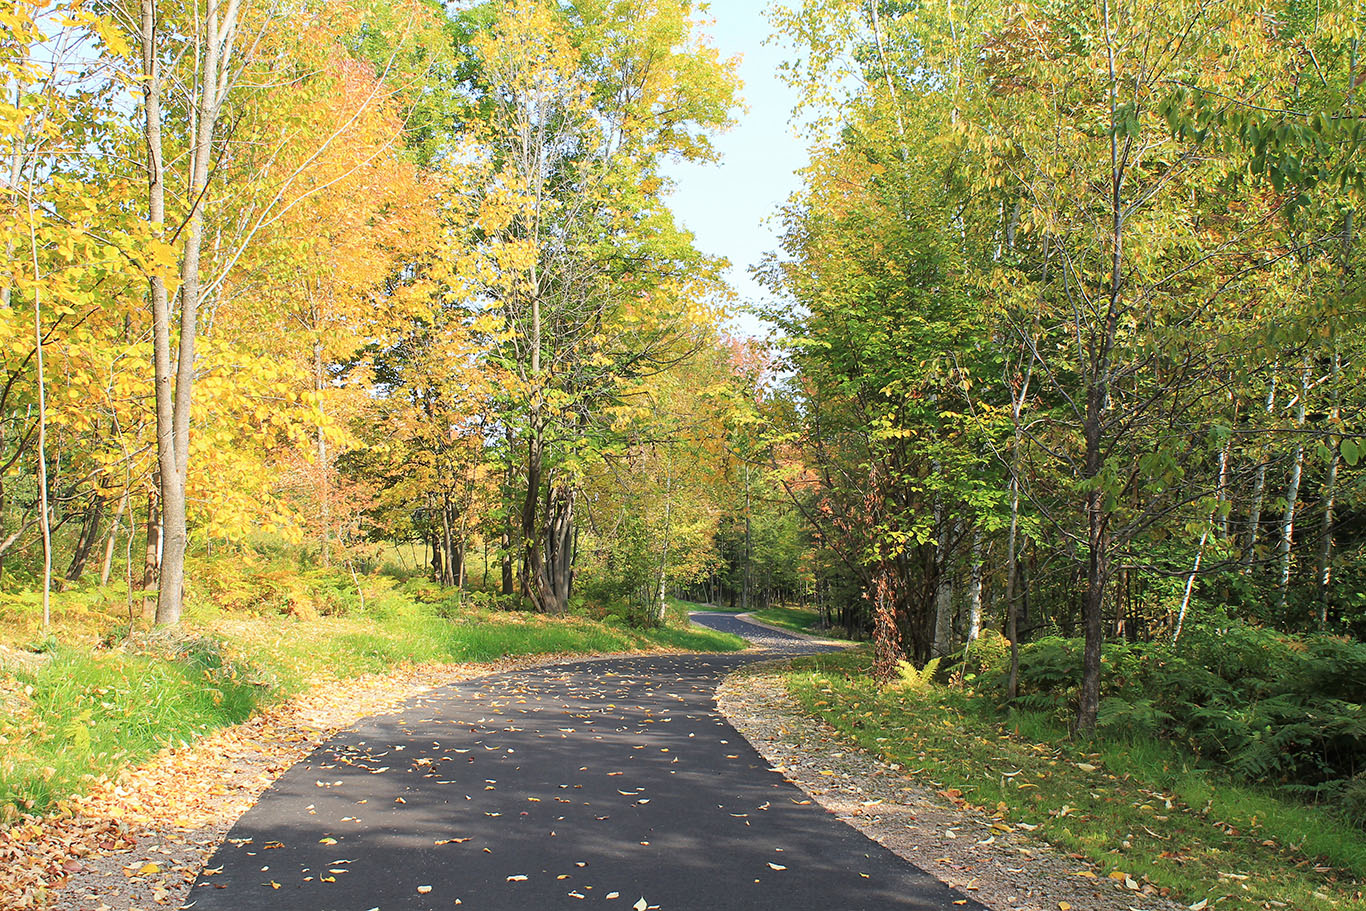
pixel 1142 807
pixel 800 620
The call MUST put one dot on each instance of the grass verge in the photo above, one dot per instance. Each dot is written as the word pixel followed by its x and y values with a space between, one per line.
pixel 87 711
pixel 708 608
pixel 800 620
pixel 1140 809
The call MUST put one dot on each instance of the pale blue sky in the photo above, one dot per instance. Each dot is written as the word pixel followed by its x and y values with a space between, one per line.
pixel 727 204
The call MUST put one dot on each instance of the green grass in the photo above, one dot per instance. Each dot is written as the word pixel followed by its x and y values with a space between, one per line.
pixel 798 619
pixel 91 710
pixel 708 608
pixel 1139 807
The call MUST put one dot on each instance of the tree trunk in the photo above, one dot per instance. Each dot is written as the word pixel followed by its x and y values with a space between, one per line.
pixel 1292 492
pixel 1094 426
pixel 532 539
pixel 554 574
pixel 975 589
pixel 1254 513
pixel 447 544
pixel 1097 576
pixel 85 541
pixel 174 383
pixel 151 561
pixel 749 546
pixel 109 541
pixel 943 594
pixel 1329 501
pixel 324 481
pixel 505 558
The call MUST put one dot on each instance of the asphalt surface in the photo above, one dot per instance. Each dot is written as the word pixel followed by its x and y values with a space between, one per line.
pixel 609 783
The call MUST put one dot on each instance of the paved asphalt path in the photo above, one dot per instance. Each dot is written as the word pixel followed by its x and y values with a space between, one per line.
pixel 588 784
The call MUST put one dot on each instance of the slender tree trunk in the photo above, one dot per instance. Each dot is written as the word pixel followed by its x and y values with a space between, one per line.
pixel 1254 513
pixel 1097 576
pixel 1012 537
pixel 1190 586
pixel 174 382
pixel 108 565
pixel 1097 409
pixel 975 589
pixel 668 538
pixel 1329 501
pixel 151 561
pixel 749 546
pixel 85 541
pixel 532 538
pixel 447 543
pixel 1335 419
pixel 943 587
pixel 324 478
pixel 1292 492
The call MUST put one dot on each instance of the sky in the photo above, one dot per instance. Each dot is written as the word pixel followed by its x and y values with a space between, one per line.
pixel 727 204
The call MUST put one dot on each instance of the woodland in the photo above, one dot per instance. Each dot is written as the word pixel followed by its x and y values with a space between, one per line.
pixel 311 308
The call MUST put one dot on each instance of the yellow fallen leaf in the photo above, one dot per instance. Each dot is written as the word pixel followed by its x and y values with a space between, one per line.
pixel 327 841
pixel 1118 876
pixel 1064 906
pixel 148 869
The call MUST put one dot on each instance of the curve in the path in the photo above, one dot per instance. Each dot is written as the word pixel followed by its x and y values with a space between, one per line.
pixel 594 783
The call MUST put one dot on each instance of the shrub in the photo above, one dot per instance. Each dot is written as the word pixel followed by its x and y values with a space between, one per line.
pixel 1278 710
pixel 988 656
pixel 908 678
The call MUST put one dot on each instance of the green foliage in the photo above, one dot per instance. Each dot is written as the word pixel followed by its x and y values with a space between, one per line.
pixel 1353 800
pixel 1274 709
pixel 908 678
pixel 987 656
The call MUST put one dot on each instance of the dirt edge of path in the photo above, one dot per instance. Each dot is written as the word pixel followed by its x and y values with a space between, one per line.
pixel 137 842
pixel 999 865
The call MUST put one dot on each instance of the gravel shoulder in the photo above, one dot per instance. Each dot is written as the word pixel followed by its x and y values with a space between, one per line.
pixel 997 864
